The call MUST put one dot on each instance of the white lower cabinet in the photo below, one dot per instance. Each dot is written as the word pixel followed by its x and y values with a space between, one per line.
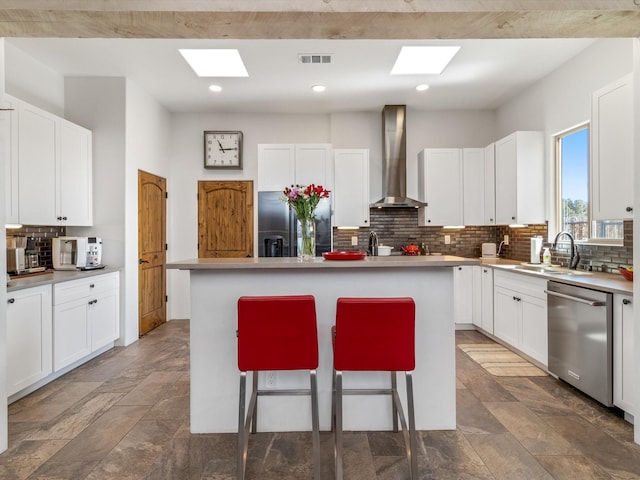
pixel 623 353
pixel 463 295
pixel 520 313
pixel 85 317
pixel 28 337
pixel 486 295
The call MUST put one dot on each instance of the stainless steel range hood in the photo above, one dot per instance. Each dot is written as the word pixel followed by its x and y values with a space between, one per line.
pixel 394 160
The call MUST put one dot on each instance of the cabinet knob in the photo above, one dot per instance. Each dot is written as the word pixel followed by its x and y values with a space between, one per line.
pixel 428 221
pixel 629 209
pixel 11 300
pixel 513 218
pixel 64 218
pixel 517 299
pixel 93 285
pixel 459 268
pixel 59 218
pixel 366 221
pixel 484 270
pixel 491 219
pixel 626 301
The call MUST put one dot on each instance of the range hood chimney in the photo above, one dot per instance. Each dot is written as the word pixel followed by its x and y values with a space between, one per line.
pixel 394 160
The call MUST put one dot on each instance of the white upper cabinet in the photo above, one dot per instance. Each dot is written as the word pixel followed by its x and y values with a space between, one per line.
pixel 519 179
pixel 74 203
pixel 351 187
pixel 440 186
pixel 52 176
pixel 474 186
pixel 612 151
pixel 490 185
pixel 282 165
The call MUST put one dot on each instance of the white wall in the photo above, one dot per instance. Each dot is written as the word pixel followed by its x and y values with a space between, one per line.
pixel 147 144
pixel 31 81
pixel 562 100
pixel 636 230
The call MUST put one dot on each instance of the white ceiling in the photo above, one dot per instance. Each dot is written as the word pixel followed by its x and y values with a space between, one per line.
pixel 483 75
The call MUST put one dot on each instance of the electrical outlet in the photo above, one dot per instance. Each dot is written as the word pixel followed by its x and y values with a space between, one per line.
pixel 272 379
pixel 506 239
pixel 354 240
pixel 447 239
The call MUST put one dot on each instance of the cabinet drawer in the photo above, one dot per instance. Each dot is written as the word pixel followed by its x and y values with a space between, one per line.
pixel 521 283
pixel 75 289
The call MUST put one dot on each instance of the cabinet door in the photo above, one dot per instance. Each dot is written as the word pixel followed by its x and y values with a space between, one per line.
pixel 74 181
pixel 506 318
pixel 276 167
pixel 505 180
pixel 29 345
pixel 71 340
pixel 440 185
pixel 476 311
pixel 37 163
pixel 103 320
pixel 612 151
pixel 463 295
pixel 473 185
pixel 490 185
pixel 9 134
pixel 534 328
pixel 351 187
pixel 623 353
pixel 487 299
pixel 313 164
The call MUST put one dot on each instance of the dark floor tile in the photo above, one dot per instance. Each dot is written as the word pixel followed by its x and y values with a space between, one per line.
pixel 484 386
pixel 506 458
pixel 77 469
pixel 473 417
pixel 533 397
pixel 386 444
pixel 531 431
pixel 617 459
pixel 449 456
pixel 391 468
pixel 97 440
pixel 572 468
pixel 357 459
pixel 151 389
pixel 23 460
pixel 134 456
pixel 173 403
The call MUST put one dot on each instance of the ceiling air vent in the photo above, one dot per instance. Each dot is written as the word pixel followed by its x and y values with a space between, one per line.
pixel 315 58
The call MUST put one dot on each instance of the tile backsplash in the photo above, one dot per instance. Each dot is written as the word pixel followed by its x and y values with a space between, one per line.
pixel 398 227
pixel 43 236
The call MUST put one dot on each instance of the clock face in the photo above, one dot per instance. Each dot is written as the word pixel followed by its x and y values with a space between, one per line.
pixel 223 150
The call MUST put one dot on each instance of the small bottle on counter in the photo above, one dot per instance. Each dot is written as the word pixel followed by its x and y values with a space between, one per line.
pixel 424 250
pixel 546 257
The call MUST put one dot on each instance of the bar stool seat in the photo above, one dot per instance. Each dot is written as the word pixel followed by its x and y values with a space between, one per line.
pixel 276 333
pixel 375 334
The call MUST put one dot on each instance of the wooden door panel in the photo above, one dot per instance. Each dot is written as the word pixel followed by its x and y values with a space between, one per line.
pixel 225 219
pixel 151 251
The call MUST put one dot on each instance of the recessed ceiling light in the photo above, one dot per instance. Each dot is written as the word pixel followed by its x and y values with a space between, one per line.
pixel 423 60
pixel 422 87
pixel 215 88
pixel 318 88
pixel 220 62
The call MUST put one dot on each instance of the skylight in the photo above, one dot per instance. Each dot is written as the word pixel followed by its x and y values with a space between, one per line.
pixel 424 60
pixel 224 62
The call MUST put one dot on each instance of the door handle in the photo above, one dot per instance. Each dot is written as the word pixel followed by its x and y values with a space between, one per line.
pixel 591 303
pixel 141 261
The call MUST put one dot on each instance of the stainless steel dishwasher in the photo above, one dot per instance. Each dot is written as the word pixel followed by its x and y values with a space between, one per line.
pixel 580 338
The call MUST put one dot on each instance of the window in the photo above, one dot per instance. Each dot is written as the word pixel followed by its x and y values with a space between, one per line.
pixel 572 158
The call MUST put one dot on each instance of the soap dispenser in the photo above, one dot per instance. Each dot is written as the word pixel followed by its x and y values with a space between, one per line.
pixel 546 257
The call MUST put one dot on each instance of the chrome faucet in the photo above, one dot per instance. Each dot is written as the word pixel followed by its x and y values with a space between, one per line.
pixel 373 244
pixel 574 259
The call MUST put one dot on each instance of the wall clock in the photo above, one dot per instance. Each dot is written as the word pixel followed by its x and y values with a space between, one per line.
pixel 223 150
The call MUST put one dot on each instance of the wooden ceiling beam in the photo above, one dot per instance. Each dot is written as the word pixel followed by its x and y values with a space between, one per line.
pixel 347 19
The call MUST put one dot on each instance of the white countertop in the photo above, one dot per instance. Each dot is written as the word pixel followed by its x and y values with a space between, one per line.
pixel 55 276
pixel 320 263
pixel 608 282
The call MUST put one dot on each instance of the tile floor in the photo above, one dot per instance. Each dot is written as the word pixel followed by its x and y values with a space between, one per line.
pixel 124 415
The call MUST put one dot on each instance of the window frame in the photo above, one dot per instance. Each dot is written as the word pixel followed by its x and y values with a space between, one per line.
pixel 557 138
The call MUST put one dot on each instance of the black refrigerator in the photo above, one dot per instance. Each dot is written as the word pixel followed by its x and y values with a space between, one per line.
pixel 277 232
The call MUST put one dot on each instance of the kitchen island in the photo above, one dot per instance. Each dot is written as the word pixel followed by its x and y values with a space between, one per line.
pixel 215 286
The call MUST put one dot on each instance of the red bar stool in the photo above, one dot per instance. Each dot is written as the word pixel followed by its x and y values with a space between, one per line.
pixel 375 334
pixel 276 333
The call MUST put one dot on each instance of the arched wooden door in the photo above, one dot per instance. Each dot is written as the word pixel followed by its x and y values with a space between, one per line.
pixel 152 220
pixel 225 219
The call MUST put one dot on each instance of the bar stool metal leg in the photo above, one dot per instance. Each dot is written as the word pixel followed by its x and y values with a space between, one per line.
pixel 394 410
pixel 242 446
pixel 315 424
pixel 254 423
pixel 338 426
pixel 413 448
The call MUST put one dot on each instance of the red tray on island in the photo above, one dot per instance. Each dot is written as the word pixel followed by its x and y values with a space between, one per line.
pixel 344 255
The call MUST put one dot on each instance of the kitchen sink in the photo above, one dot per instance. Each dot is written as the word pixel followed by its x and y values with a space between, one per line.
pixel 550 270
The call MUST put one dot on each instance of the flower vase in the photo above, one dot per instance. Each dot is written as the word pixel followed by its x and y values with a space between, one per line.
pixel 306 238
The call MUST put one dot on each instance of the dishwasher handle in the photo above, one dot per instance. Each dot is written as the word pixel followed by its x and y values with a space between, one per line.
pixel 592 303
